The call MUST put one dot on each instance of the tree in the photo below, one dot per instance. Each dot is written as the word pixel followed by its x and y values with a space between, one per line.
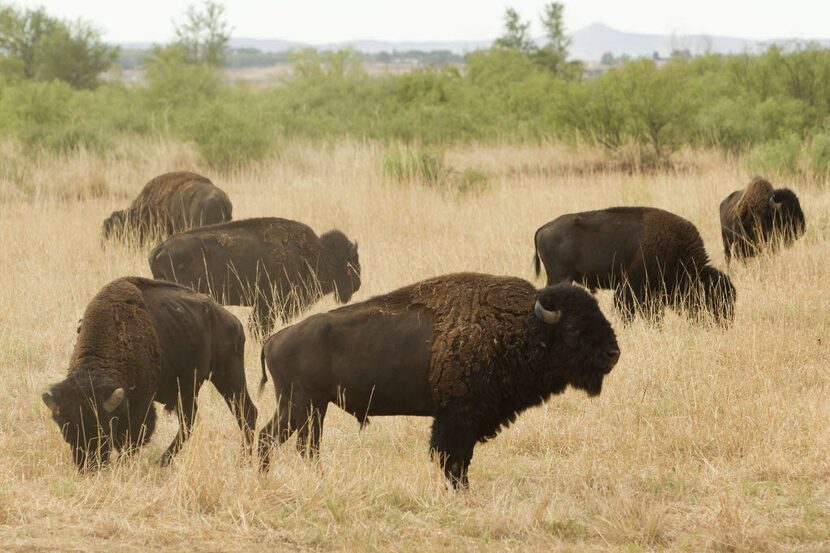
pixel 204 34
pixel 73 53
pixel 554 54
pixel 47 48
pixel 20 34
pixel 554 24
pixel 516 36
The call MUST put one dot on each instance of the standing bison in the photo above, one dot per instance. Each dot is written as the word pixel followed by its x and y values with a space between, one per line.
pixel 168 204
pixel 759 217
pixel 650 258
pixel 142 341
pixel 278 267
pixel 470 350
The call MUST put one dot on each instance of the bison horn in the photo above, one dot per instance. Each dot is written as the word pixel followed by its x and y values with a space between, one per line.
pixel 773 204
pixel 115 399
pixel 50 402
pixel 547 317
pixel 354 248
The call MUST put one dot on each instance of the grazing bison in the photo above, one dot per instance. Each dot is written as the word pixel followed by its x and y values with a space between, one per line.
pixel 470 350
pixel 759 217
pixel 278 267
pixel 142 341
pixel 650 258
pixel 168 204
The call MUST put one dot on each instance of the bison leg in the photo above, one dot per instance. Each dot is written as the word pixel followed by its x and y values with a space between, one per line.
pixel 309 434
pixel 452 447
pixel 235 392
pixel 187 413
pixel 277 431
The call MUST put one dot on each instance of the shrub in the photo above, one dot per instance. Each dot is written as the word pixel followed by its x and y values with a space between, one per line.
pixel 779 156
pixel 817 155
pixel 415 165
pixel 228 136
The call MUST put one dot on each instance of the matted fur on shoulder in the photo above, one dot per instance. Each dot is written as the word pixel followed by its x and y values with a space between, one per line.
pixel 476 318
pixel 116 336
pixel 754 200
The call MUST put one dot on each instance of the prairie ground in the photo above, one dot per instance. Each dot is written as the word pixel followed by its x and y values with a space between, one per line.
pixel 703 439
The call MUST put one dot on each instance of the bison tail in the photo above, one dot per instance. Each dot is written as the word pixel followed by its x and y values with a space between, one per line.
pixel 264 378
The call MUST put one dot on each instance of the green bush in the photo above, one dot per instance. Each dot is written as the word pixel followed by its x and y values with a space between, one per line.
pixel 776 157
pixel 817 154
pixel 415 165
pixel 227 135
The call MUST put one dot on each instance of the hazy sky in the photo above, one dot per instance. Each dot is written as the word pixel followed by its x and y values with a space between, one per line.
pixel 322 21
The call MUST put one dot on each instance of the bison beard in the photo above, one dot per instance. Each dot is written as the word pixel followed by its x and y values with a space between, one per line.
pixel 142 341
pixel 472 351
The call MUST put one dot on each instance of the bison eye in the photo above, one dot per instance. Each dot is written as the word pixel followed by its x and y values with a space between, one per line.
pixel 348 271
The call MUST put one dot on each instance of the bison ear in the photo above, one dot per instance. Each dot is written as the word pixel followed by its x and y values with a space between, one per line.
pixel 547 317
pixel 111 403
pixel 50 402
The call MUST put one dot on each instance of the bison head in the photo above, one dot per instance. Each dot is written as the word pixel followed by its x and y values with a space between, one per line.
pixel 577 337
pixel 89 415
pixel 718 295
pixel 344 265
pixel 787 217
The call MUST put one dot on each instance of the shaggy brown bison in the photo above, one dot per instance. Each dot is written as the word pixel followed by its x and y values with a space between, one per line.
pixel 142 341
pixel 168 204
pixel 278 267
pixel 470 350
pixel 759 217
pixel 650 258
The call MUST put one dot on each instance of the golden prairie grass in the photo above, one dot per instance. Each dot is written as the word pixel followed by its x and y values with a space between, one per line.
pixel 703 440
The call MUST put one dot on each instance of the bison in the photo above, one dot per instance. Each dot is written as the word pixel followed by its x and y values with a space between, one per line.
pixel 472 351
pixel 168 204
pixel 142 341
pixel 278 267
pixel 758 218
pixel 650 258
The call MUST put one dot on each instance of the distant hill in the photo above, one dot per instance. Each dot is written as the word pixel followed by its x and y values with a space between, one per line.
pixel 594 40
pixel 587 44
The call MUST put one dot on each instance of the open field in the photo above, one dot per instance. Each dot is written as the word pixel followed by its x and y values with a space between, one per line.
pixel 703 439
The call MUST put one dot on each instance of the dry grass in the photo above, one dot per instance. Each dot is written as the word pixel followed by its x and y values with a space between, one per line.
pixel 703 440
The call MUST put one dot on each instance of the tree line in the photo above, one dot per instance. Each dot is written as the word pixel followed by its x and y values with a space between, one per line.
pixel 772 107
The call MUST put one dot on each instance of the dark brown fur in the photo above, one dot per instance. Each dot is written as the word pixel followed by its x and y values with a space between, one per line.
pixel 758 218
pixel 168 204
pixel 155 341
pixel 651 258
pixel 467 349
pixel 277 266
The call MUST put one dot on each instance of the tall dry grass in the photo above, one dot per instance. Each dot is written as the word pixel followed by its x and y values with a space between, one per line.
pixel 703 440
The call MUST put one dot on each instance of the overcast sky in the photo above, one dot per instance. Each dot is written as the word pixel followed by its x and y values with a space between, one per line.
pixel 323 21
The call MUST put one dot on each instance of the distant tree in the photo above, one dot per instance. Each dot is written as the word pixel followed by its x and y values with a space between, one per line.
pixel 21 33
pixel 204 34
pixel 74 53
pixel 516 36
pixel 607 59
pixel 554 54
pixel 47 48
